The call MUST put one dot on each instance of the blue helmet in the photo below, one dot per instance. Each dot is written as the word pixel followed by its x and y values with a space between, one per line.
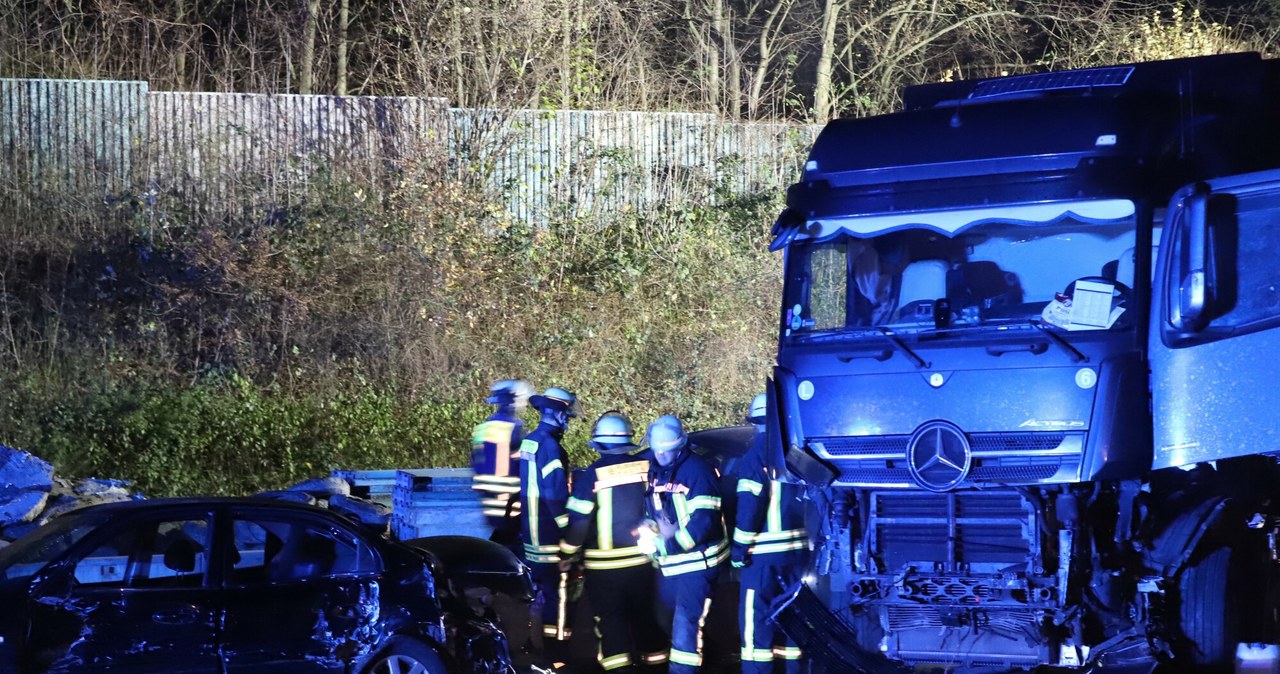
pixel 666 434
pixel 612 433
pixel 557 399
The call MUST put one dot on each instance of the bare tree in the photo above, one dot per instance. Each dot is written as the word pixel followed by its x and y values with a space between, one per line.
pixel 889 45
pixel 823 104
pixel 306 79
pixel 344 22
pixel 768 46
pixel 706 54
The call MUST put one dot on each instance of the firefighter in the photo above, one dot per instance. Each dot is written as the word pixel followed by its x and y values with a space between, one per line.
pixel 543 497
pixel 687 537
pixel 770 547
pixel 606 513
pixel 495 455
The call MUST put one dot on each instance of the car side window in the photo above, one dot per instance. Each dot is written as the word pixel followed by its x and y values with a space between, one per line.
pixel 154 554
pixel 269 550
pixel 109 563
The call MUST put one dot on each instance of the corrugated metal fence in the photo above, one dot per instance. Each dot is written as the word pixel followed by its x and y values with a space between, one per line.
pixel 71 136
pixel 118 140
pixel 265 147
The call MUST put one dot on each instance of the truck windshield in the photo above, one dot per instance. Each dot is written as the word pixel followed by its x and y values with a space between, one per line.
pixel 1067 274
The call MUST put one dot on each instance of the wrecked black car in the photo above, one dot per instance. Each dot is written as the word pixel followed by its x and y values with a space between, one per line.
pixel 237 585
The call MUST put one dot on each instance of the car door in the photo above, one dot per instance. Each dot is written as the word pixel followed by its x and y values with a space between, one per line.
pixel 1215 314
pixel 302 593
pixel 135 598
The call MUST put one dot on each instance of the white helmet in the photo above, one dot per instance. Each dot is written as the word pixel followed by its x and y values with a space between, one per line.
pixel 514 392
pixel 759 409
pixel 666 434
pixel 556 398
pixel 612 433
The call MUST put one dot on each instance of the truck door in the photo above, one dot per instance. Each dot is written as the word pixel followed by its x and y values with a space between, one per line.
pixel 1215 309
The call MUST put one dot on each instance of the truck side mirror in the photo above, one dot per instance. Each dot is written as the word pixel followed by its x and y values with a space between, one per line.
pixel 1190 295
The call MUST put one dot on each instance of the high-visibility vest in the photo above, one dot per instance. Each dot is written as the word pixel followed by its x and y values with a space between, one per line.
pixel 495 460
pixel 606 512
pixel 687 493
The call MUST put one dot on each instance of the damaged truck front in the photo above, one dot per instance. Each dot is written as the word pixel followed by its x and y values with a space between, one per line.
pixel 1025 361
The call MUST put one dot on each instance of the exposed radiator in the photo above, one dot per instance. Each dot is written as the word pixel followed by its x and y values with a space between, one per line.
pixel 988 531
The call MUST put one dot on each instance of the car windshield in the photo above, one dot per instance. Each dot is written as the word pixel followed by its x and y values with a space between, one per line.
pixel 27 555
pixel 1068 273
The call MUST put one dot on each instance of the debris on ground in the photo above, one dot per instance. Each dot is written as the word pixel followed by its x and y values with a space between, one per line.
pixel 31 494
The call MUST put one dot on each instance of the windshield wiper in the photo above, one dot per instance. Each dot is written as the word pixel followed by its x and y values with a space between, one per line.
pixel 1060 341
pixel 901 346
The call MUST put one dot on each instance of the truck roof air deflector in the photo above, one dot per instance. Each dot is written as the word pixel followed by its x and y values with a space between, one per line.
pixel 950 223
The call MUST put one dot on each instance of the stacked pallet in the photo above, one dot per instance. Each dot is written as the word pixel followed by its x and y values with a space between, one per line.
pixel 375 485
pixel 424 501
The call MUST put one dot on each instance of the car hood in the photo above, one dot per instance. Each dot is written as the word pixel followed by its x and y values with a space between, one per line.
pixel 474 563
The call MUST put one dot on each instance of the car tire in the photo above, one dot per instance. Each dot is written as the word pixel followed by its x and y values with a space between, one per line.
pixel 404 655
pixel 1209 614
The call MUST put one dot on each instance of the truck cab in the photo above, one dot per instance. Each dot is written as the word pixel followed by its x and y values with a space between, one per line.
pixel 970 345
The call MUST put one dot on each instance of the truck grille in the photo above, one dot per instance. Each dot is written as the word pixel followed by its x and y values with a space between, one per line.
pixel 998 458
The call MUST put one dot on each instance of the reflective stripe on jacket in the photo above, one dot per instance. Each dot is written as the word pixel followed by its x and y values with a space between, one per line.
pixel 545 482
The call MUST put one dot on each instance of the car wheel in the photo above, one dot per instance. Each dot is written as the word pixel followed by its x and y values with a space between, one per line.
pixel 1209 612
pixel 406 656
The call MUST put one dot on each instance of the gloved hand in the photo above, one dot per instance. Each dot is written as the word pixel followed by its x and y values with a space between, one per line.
pixel 646 534
pixel 666 529
pixel 740 557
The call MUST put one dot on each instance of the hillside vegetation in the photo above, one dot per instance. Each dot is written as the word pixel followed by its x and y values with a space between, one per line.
pixel 194 354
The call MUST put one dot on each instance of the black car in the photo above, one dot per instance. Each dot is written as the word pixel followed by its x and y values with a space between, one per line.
pixel 214 585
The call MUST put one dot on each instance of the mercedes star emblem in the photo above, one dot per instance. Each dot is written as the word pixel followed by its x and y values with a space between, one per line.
pixel 939 456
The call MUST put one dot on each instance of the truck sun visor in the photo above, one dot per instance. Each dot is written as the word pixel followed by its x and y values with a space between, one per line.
pixel 790 228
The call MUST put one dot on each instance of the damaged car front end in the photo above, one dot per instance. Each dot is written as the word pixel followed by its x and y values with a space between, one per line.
pixel 232 585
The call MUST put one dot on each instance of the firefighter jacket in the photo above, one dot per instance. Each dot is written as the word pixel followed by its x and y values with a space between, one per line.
pixel 545 491
pixel 686 493
pixel 495 456
pixel 770 513
pixel 607 511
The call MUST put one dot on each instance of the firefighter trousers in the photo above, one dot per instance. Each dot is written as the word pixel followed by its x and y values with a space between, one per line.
pixel 553 590
pixel 687 600
pixel 763 644
pixel 622 599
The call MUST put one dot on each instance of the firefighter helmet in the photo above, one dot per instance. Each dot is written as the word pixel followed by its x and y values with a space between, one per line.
pixel 612 432
pixel 510 392
pixel 759 407
pixel 557 399
pixel 666 434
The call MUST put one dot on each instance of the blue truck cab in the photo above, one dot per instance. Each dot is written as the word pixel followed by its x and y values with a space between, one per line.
pixel 1025 364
